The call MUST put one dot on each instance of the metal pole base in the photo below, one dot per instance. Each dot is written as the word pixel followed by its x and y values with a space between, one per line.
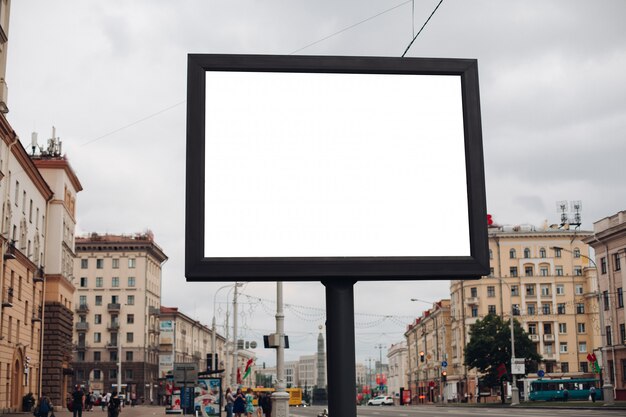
pixel 280 404
pixel 607 392
pixel 514 395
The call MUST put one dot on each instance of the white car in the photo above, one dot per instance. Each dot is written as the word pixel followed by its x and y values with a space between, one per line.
pixel 381 400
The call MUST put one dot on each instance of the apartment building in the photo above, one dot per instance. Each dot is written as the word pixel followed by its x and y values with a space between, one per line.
pixel 429 342
pixel 5 12
pixel 544 278
pixel 609 244
pixel 118 304
pixel 397 356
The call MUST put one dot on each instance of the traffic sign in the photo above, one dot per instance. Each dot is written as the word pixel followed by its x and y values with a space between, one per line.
pixel 540 373
pixel 518 366
pixel 444 364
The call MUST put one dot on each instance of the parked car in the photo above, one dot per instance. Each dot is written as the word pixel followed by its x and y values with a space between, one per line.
pixel 381 400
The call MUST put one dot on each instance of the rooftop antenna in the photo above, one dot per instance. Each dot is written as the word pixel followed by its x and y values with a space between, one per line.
pixel 33 141
pixel 561 207
pixel 577 207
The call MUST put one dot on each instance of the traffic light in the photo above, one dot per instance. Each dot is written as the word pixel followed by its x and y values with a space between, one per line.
pixel 444 376
pixel 489 220
pixel 422 356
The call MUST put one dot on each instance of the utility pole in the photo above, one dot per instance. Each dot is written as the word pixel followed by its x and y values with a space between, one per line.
pixel 280 397
pixel 233 377
pixel 380 347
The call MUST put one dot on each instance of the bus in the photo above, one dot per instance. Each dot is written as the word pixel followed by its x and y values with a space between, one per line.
pixel 295 395
pixel 552 389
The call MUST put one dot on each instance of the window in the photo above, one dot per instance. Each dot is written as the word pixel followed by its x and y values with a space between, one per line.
pixel 129 356
pixel 97 374
pixel 115 299
pixel 97 337
pixel 559 271
pixel 622 332
pixel 115 263
pixel 97 319
pixel 530 289
pixel 560 289
pixel 81 356
pixel 130 318
pixel 83 282
pixel 578 271
pixel 131 263
pixel 603 265
pixel 512 254
pixel 513 271
pixel 491 291
pixel 528 271
pixel 565 365
pixel 545 308
pixel 547 328
pixel 620 298
pixel 96 356
pixel 17 191
pixel 543 271
pixel 128 373
pixel 130 337
pixel 576 253
pixel 560 308
pixel 99 263
pixel 584 367
pixel 473 292
pixel 531 309
pixel 82 300
pixel 474 311
pixel 514 290
pixel 516 310
pixel 579 290
pixel 99 282
pixel 532 328
pixel 113 372
pixel 131 281
pixel 526 253
pixel 545 290
pixel 582 347
pixel 580 308
pixel 547 349
pixel 115 282
pixel 562 328
pixel 557 252
pixel 609 336
pixel 491 309
pixel 605 300
pixel 130 300
pixel 84 263
pixel 581 327
pixel 617 262
pixel 542 252
pixel 98 300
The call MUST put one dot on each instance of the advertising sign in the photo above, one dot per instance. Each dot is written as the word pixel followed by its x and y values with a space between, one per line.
pixel 208 395
pixel 518 366
pixel 166 364
pixel 166 336
pixel 406 396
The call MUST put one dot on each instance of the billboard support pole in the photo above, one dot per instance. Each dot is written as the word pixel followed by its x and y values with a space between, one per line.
pixel 340 347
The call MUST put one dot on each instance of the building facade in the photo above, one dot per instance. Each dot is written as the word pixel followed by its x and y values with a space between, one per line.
pixel 545 280
pixel 609 244
pixel 5 12
pixel 117 302
pixel 397 356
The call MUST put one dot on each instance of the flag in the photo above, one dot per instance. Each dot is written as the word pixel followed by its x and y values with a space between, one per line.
pixel 248 368
pixel 501 370
pixel 238 376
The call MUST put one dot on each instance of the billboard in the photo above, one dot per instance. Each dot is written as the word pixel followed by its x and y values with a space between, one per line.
pixel 166 336
pixel 166 364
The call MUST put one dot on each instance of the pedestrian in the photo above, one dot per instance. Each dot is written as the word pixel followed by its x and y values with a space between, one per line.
pixel 133 398
pixel 592 393
pixel 78 402
pixel 88 401
pixel 565 394
pixel 230 402
pixel 249 403
pixel 267 405
pixel 114 407
pixel 105 400
pixel 44 407
pixel 239 406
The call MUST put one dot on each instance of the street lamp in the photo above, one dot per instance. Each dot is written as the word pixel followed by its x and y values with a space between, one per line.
pixel 213 347
pixel 607 388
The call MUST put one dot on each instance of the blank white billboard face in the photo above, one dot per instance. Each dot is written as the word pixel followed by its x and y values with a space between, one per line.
pixel 334 165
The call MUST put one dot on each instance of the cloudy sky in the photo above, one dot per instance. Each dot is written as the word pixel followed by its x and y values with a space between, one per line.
pixel 111 77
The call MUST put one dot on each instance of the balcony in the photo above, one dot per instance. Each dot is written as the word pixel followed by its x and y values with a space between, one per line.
pixel 154 329
pixel 38 276
pixel 548 338
pixel 81 346
pixel 549 356
pixel 471 300
pixel 534 337
pixel 113 327
pixel 82 326
pixel 8 300
pixel 112 346
pixel 114 307
pixel 154 311
pixel 82 308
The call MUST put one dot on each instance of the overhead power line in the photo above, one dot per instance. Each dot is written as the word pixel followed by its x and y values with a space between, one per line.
pixel 422 28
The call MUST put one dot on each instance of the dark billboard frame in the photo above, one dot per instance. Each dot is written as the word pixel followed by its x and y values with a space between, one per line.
pixel 198 267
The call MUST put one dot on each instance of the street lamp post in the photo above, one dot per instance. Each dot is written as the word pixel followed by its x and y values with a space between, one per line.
pixel 214 330
pixel 514 389
pixel 607 387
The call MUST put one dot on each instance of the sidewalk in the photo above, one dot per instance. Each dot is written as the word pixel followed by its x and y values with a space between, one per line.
pixel 577 405
pixel 128 411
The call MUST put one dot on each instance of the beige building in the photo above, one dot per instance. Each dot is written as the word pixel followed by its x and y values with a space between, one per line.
pixel 550 290
pixel 397 357
pixel 118 301
pixel 429 342
pixel 5 9
pixel 609 244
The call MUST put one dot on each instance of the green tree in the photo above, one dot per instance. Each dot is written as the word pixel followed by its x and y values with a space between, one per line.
pixel 490 346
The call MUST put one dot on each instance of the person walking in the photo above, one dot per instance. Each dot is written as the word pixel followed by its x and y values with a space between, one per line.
pixel 44 406
pixel 105 400
pixel 239 406
pixel 230 402
pixel 592 393
pixel 249 403
pixel 266 407
pixel 78 402
pixel 114 407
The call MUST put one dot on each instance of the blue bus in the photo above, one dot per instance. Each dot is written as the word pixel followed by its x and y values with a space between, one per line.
pixel 553 389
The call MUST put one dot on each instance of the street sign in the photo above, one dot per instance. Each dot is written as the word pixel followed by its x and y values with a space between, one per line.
pixel 444 364
pixel 540 373
pixel 185 372
pixel 518 366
